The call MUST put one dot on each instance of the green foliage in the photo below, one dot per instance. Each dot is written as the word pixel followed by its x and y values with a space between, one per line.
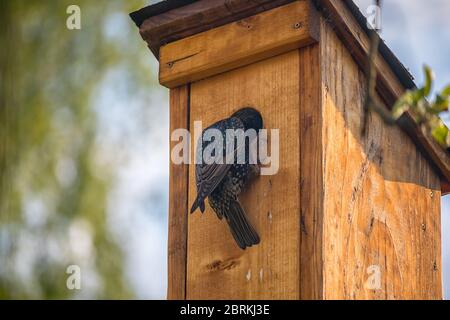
pixel 52 186
pixel 425 111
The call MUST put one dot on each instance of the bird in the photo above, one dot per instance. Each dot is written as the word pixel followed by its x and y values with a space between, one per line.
pixel 222 183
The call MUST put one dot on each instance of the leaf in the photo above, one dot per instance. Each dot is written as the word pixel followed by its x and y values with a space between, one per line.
pixel 400 107
pixel 417 95
pixel 440 105
pixel 448 141
pixel 440 134
pixel 445 93
pixel 428 80
pixel 409 100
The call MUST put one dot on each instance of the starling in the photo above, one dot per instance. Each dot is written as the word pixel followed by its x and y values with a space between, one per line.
pixel 222 183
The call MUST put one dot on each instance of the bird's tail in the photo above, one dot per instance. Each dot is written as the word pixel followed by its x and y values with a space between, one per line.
pixel 198 203
pixel 241 229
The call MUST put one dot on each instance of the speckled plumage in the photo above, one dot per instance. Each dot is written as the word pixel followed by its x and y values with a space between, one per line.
pixel 222 183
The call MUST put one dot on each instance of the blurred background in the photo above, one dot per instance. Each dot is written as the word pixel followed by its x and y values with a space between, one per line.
pixel 84 144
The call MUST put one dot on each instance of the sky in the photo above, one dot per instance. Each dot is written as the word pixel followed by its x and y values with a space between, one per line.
pixel 138 203
pixel 417 31
pixel 134 128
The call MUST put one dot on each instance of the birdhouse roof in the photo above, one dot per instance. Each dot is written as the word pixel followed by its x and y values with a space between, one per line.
pixel 171 20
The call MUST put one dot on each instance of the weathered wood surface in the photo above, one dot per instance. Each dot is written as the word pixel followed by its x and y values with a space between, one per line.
pixel 388 85
pixel 381 196
pixel 237 44
pixel 217 268
pixel 311 174
pixel 445 187
pixel 340 203
pixel 178 184
pixel 197 17
pixel 193 18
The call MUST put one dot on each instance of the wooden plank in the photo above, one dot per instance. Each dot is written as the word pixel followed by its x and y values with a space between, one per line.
pixel 156 9
pixel 237 44
pixel 217 268
pixel 178 197
pixel 445 187
pixel 388 85
pixel 184 21
pixel 311 167
pixel 379 214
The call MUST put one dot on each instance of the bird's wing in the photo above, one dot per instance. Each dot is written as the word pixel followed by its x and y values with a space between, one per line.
pixel 209 176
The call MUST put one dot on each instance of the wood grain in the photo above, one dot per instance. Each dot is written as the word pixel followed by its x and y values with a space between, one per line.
pixel 237 44
pixel 192 18
pixel 381 197
pixel 340 204
pixel 178 184
pixel 388 85
pixel 311 167
pixel 217 268
pixel 203 15
pixel 445 187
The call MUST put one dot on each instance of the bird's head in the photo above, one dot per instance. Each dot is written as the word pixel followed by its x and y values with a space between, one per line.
pixel 250 117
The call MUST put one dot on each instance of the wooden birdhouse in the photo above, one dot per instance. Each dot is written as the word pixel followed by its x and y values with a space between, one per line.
pixel 347 216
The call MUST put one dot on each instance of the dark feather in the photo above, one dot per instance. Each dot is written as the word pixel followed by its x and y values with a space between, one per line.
pixel 240 228
pixel 209 176
pixel 222 183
